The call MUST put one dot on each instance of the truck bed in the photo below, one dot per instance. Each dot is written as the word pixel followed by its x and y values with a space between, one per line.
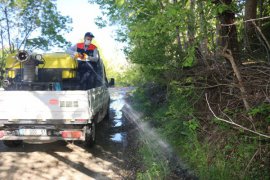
pixel 42 105
pixel 50 115
pixel 31 107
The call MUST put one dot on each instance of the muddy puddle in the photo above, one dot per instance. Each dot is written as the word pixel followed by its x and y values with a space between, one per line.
pixel 117 119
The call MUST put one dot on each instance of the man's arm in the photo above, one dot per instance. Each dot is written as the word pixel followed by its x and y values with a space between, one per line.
pixel 95 57
pixel 72 50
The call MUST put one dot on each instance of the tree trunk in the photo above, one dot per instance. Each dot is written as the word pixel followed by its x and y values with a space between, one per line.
pixel 2 44
pixel 228 32
pixel 184 41
pixel 178 39
pixel 250 10
pixel 178 34
pixel 2 55
pixel 261 8
pixel 191 23
pixel 250 13
pixel 203 44
pixel 8 30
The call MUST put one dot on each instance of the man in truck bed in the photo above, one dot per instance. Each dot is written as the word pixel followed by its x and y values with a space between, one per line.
pixel 87 55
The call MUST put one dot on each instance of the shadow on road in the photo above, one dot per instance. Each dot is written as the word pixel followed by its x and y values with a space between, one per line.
pixel 78 166
pixel 58 146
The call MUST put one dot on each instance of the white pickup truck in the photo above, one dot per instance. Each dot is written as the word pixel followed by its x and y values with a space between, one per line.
pixel 45 115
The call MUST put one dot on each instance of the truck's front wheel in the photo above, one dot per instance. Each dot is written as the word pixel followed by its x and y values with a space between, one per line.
pixel 12 144
pixel 90 135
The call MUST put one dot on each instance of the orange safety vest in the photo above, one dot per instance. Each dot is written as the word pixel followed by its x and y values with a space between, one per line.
pixel 89 51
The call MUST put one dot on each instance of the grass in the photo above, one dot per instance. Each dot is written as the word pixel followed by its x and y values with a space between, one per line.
pixel 155 167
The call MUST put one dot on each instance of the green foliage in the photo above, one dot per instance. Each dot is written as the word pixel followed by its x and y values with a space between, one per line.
pixel 221 125
pixel 131 76
pixel 141 102
pixel 155 167
pixel 120 2
pixel 151 39
pixel 190 58
pixel 192 125
pixel 100 22
pixel 221 7
pixel 32 24
pixel 263 109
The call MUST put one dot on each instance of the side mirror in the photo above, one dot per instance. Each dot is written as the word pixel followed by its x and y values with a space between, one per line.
pixel 111 83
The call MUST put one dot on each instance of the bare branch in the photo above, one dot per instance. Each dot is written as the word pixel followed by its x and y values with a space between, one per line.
pixel 228 55
pixel 267 17
pixel 264 38
pixel 233 123
pixel 25 38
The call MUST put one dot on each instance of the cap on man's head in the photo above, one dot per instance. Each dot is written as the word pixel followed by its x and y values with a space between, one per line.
pixel 89 34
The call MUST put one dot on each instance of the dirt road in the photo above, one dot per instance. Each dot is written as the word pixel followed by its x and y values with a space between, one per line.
pixel 60 160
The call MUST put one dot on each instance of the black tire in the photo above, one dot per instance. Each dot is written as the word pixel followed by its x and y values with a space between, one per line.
pixel 62 143
pixel 107 116
pixel 90 135
pixel 12 144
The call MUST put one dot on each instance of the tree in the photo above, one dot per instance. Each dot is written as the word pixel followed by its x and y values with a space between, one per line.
pixel 167 35
pixel 227 28
pixel 30 24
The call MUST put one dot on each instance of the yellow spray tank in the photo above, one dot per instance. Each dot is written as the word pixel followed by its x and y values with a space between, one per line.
pixel 12 65
pixel 53 64
pixel 60 61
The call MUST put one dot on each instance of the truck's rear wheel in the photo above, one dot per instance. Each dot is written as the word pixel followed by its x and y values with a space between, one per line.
pixel 90 135
pixel 107 116
pixel 12 144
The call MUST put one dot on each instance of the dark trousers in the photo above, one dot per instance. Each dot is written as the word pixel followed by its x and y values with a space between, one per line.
pixel 87 75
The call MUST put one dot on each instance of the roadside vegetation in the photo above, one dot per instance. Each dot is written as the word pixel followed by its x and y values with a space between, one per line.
pixel 202 72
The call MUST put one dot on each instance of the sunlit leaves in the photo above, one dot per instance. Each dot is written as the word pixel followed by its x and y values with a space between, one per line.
pixel 150 28
pixel 189 60
pixel 39 20
pixel 119 2
pixel 100 22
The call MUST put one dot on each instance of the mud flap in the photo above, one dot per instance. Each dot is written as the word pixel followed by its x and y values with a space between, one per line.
pixel 90 135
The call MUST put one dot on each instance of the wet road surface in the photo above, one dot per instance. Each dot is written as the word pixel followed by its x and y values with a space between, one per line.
pixel 61 160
